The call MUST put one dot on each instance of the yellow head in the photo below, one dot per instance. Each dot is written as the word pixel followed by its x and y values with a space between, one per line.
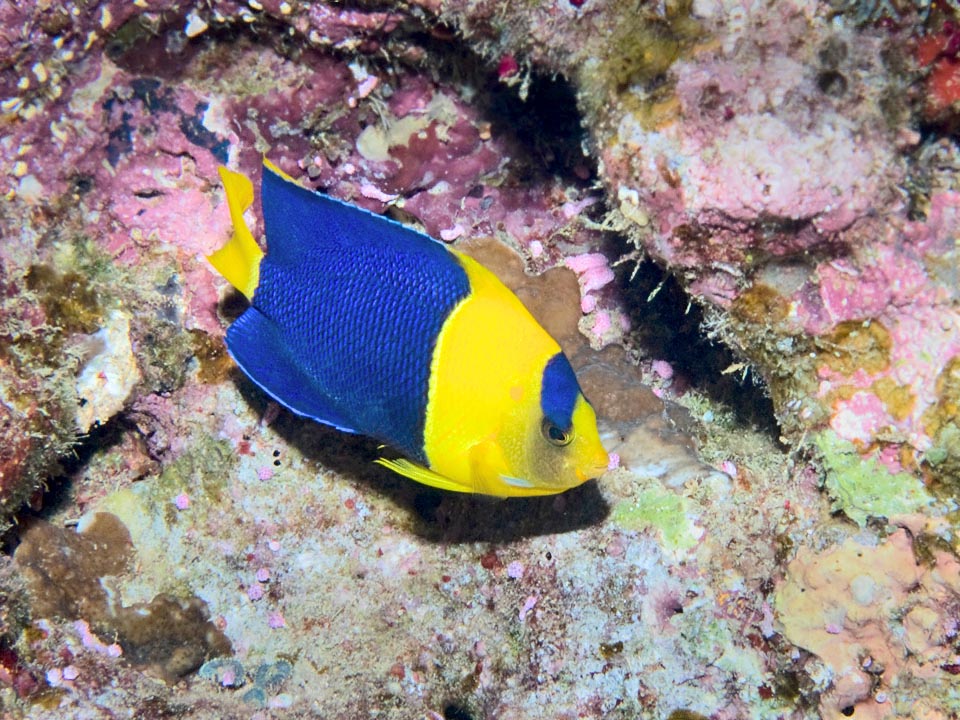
pixel 505 414
pixel 551 443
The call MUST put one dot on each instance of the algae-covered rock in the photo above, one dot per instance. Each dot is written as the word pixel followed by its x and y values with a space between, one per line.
pixel 865 488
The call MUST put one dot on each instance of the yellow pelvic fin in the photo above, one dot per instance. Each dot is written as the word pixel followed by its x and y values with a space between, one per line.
pixel 422 475
pixel 239 259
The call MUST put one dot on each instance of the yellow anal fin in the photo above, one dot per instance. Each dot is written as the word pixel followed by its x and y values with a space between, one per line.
pixel 422 475
pixel 239 259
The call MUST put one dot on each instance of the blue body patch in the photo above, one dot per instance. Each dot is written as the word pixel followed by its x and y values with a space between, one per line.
pixel 345 319
pixel 559 392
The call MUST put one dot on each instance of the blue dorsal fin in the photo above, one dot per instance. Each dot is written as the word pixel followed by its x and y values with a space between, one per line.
pixel 299 221
pixel 257 346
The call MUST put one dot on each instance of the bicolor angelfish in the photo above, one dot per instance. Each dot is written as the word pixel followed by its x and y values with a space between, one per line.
pixel 369 326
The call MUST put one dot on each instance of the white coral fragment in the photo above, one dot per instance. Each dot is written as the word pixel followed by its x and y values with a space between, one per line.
pixel 109 376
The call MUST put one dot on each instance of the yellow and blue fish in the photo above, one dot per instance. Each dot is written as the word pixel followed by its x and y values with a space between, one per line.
pixel 366 325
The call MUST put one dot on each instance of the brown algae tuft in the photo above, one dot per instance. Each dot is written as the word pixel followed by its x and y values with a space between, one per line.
pixel 68 573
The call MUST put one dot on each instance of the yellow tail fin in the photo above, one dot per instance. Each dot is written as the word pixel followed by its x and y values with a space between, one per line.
pixel 239 260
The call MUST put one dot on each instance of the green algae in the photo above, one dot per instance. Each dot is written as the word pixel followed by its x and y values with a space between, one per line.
pixel 718 641
pixel 203 472
pixel 70 305
pixel 686 715
pixel 862 487
pixel 70 288
pixel 660 509
pixel 944 457
pixel 164 354
pixel 943 424
pixel 759 327
pixel 67 299
pixel 40 357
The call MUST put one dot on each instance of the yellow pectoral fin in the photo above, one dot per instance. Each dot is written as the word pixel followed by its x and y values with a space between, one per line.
pixel 422 475
pixel 489 468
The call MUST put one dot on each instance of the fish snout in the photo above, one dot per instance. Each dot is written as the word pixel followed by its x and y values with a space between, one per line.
pixel 591 472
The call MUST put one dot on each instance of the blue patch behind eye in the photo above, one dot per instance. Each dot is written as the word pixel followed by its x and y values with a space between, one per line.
pixel 559 391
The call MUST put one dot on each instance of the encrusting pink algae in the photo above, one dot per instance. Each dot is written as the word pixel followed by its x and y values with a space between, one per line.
pixel 740 221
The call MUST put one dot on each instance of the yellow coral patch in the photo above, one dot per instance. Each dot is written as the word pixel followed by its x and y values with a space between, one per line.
pixel 856 345
pixel 898 400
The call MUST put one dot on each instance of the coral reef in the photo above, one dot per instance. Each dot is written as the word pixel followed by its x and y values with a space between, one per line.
pixel 830 289
pixel 789 168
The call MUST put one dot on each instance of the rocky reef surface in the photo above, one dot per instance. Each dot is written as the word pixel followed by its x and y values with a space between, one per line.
pixel 741 221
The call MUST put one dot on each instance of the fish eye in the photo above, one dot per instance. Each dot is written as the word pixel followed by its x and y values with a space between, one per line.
pixel 554 434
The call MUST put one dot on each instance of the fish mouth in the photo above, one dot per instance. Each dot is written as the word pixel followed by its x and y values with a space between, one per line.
pixel 592 473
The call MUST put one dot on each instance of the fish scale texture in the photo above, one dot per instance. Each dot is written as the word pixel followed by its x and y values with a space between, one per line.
pixel 346 316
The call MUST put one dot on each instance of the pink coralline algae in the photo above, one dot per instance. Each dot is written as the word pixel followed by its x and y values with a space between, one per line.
pixel 276 621
pixel 594 272
pixel 528 605
pixel 92 642
pixel 662 369
pixel 709 178
pixel 57 677
pixel 918 333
